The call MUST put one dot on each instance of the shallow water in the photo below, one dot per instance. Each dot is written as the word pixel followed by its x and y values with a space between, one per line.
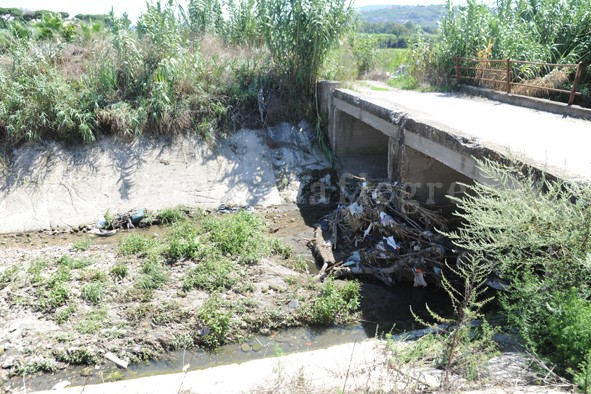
pixel 391 315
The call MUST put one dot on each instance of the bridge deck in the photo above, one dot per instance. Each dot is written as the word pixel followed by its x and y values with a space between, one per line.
pixel 554 143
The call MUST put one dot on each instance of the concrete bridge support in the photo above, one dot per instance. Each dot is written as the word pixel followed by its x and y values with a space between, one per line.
pixel 371 141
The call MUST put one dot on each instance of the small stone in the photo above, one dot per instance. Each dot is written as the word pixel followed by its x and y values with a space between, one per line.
pixel 293 305
pixel 265 331
pixel 61 385
pixel 1 382
pixel 245 347
pixel 276 287
pixel 257 347
pixel 86 371
pixel 7 364
pixel 1 351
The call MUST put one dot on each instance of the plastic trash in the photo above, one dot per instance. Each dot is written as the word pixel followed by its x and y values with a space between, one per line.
pixel 353 260
pixel 386 219
pixel 102 232
pixel 419 278
pixel 391 244
pixel 366 232
pixel 223 208
pixel 101 223
pixel 137 215
pixel 355 209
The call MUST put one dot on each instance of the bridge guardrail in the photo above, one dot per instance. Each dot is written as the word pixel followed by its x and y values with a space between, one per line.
pixel 484 70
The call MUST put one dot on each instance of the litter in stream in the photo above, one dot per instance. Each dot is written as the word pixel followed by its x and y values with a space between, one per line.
pixel 382 233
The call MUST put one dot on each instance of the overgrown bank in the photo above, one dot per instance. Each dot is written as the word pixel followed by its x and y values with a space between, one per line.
pixel 179 70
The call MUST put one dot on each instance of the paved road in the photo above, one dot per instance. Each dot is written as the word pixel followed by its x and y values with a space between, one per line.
pixel 559 144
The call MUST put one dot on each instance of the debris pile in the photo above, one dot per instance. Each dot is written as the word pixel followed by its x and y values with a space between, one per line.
pixel 110 223
pixel 382 233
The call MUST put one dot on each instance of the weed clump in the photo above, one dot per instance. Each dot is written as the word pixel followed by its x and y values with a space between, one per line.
pixel 183 242
pixel 93 292
pixel 119 270
pixel 171 215
pixel 72 263
pixel 214 320
pixel 135 244
pixel 238 235
pixel 153 275
pixel 334 304
pixel 211 275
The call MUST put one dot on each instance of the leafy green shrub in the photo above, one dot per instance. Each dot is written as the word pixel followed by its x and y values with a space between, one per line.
pixel 540 31
pixel 300 34
pixel 570 329
pixel 183 242
pixel 239 234
pixel 37 102
pixel 364 51
pixel 535 234
pixel 53 297
pixel 214 321
pixel 333 304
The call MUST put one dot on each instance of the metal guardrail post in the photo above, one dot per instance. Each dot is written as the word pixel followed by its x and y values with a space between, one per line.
pixel 457 69
pixel 571 98
pixel 508 76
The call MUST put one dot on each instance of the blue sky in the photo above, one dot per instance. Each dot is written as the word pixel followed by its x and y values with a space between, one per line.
pixel 135 7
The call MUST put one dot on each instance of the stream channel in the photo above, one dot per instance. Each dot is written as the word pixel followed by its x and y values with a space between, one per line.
pixel 383 310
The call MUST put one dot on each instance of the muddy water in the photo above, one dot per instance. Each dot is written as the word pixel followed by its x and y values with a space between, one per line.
pixel 384 309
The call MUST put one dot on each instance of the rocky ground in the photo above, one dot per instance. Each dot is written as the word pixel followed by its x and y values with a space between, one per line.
pixel 70 299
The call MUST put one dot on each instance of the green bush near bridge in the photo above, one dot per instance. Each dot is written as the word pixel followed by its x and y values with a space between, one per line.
pixel 537 234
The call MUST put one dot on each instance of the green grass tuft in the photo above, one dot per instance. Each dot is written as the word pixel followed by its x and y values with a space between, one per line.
pixel 135 244
pixel 210 275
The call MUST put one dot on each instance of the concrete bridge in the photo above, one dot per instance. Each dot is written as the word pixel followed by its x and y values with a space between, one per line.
pixel 430 141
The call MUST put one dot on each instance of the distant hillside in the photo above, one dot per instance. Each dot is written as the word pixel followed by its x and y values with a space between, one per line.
pixel 424 15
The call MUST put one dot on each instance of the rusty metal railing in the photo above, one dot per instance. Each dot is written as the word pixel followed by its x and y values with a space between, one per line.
pixel 507 80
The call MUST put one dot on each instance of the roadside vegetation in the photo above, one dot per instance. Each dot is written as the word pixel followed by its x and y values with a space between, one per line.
pixel 550 31
pixel 176 71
